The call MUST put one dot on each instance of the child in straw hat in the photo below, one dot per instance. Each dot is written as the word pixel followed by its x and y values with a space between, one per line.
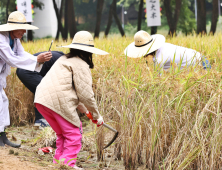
pixel 32 79
pixel 12 54
pixel 163 54
pixel 66 87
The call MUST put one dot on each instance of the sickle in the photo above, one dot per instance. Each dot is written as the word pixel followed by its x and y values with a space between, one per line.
pixel 114 137
pixel 89 115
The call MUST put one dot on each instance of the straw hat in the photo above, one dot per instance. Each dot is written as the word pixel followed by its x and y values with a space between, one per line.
pixel 83 40
pixel 144 44
pixel 17 21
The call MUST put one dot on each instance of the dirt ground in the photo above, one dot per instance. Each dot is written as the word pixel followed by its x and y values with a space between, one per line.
pixel 27 157
pixel 13 162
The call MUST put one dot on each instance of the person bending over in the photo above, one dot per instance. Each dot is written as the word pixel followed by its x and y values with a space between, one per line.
pixel 66 87
pixel 163 54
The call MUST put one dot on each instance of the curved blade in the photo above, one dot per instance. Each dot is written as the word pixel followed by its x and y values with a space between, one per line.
pixel 114 138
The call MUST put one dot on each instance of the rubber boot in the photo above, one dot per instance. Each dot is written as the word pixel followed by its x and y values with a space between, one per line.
pixel 7 142
pixel 1 140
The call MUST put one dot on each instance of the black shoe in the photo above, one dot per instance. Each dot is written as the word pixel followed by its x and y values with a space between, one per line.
pixel 7 142
pixel 1 140
pixel 41 123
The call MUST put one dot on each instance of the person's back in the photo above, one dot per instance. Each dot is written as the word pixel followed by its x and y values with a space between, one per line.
pixel 169 53
pixel 162 54
pixel 56 90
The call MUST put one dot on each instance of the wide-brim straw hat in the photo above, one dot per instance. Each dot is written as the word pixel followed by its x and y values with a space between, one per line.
pixel 83 40
pixel 17 21
pixel 144 44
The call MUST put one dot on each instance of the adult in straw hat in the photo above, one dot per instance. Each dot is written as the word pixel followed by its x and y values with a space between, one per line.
pixel 66 87
pixel 12 54
pixel 161 53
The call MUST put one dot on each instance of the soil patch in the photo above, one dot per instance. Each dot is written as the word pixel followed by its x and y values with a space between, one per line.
pixel 13 162
pixel 27 156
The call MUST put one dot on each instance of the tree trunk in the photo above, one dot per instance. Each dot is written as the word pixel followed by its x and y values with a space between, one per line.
pixel 140 15
pixel 98 17
pixel 117 19
pixel 74 20
pixel 153 30
pixel 201 17
pixel 29 34
pixel 7 10
pixel 57 33
pixel 60 28
pixel 112 12
pixel 214 17
pixel 109 19
pixel 172 20
pixel 177 13
pixel 168 13
pixel 65 30
pixel 71 19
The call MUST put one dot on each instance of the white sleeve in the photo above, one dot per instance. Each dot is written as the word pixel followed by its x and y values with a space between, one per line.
pixel 38 67
pixel 23 60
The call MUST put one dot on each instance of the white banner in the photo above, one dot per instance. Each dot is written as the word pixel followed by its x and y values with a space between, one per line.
pixel 25 7
pixel 153 13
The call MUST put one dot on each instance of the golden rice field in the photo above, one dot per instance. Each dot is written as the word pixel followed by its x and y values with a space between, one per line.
pixel 172 121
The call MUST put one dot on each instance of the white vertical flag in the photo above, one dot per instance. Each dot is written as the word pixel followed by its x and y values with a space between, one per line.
pixel 153 13
pixel 24 6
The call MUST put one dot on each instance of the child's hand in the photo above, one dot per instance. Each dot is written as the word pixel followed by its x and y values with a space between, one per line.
pixel 94 121
pixel 100 121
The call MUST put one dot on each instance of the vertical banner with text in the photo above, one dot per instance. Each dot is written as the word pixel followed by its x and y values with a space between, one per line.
pixel 153 13
pixel 25 7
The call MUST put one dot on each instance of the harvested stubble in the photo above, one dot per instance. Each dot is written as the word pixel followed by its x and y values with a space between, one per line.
pixel 172 121
pixel 20 101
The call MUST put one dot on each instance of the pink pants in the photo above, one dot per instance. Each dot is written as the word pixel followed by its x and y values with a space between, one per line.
pixel 69 136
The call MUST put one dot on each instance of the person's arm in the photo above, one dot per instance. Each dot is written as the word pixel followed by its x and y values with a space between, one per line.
pixel 83 85
pixel 38 66
pixel 8 56
pixel 23 59
pixel 41 58
pixel 82 108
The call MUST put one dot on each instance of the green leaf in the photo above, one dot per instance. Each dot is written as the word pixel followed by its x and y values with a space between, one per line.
pixel 71 160
pixel 57 161
pixel 62 160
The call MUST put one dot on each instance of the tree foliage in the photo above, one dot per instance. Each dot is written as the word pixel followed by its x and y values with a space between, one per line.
pixel 38 4
pixel 12 7
pixel 127 3
pixel 85 13
pixel 187 21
